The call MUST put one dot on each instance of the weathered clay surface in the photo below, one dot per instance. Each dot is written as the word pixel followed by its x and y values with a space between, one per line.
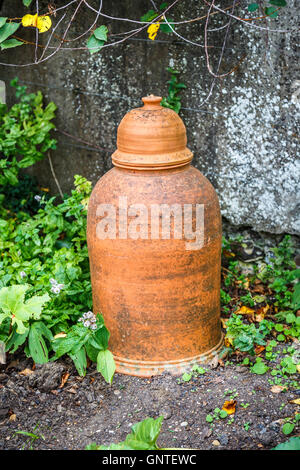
pixel 245 137
pixel 158 296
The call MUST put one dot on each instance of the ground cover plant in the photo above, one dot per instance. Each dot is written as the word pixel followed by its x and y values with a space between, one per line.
pixel 45 290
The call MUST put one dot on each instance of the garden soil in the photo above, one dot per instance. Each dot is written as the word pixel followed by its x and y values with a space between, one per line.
pixel 66 411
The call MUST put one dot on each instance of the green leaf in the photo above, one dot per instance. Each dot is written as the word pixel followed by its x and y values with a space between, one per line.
pixel 27 3
pixel 186 377
pixel 15 340
pixel 253 6
pixel 278 3
pixel 143 437
pixel 100 338
pixel 163 6
pixel 9 43
pixel 37 346
pixel 79 359
pixel 280 338
pixel 62 346
pixel 209 418
pixel 259 368
pixel 146 432
pixel 165 28
pixel 2 21
pixel 33 307
pixel 101 33
pixel 106 365
pixel 290 318
pixel 223 414
pixel 292 444
pixel 271 12
pixel 7 30
pixel 94 45
pixel 296 296
pixel 287 428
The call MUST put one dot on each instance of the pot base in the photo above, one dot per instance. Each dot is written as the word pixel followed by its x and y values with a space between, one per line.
pixel 177 367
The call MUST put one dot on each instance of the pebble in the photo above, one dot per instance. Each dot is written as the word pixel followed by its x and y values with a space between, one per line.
pixel 215 443
pixel 184 423
pixel 223 438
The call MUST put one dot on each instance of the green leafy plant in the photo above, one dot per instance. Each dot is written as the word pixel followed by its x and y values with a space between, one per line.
pixel 259 368
pixel 143 437
pixel 45 258
pixel 271 11
pixel 88 338
pixel 173 100
pixel 97 39
pixel 22 321
pixel 292 444
pixel 24 133
pixel 32 438
pixel 244 336
pixel 7 29
pixel 151 14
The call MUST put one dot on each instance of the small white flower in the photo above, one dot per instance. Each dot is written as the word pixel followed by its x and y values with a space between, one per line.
pixel 23 274
pixel 37 198
pixel 55 289
pixel 93 326
pixel 86 323
pixel 80 319
pixel 53 281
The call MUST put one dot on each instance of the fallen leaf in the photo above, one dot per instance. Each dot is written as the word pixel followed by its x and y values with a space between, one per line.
pixel 60 335
pixel 259 349
pixel 245 311
pixel 296 402
pixel 277 388
pixel 26 372
pixel 152 30
pixel 228 254
pixel 223 322
pixel 72 390
pixel 54 392
pixel 261 313
pixel 13 417
pixel 229 406
pixel 64 378
pixel 228 342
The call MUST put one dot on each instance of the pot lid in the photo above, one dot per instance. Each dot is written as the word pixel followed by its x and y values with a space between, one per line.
pixel 151 137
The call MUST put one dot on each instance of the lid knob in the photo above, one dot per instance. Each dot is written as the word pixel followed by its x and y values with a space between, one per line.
pixel 151 102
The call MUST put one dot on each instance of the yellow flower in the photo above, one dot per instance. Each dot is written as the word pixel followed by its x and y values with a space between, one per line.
pixel 152 30
pixel 29 20
pixel 43 23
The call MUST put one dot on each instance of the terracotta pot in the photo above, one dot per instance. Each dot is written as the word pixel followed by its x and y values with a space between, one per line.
pixel 160 299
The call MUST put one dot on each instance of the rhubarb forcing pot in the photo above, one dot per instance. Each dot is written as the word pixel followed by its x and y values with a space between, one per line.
pixel 154 241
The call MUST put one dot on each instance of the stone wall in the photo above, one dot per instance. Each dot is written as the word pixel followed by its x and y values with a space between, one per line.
pixel 245 138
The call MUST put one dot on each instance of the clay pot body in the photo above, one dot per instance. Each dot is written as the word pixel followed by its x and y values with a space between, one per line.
pixel 160 300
